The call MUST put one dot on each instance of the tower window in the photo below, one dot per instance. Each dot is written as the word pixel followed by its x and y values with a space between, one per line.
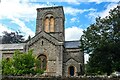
pixel 49 23
pixel 46 28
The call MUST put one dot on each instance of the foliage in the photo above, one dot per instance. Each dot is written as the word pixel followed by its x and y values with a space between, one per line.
pixel 20 64
pixel 102 41
pixel 29 37
pixel 7 67
pixel 13 37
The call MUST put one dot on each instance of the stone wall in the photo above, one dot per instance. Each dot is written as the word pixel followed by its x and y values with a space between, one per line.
pixel 52 52
pixel 75 58
pixel 57 78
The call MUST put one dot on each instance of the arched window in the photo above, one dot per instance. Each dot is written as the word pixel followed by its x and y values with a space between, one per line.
pixel 46 24
pixel 49 23
pixel 43 62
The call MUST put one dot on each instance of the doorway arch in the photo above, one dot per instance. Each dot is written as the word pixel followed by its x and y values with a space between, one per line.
pixel 71 70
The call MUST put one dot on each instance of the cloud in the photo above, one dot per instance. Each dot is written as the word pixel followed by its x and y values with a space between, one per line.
pixel 19 12
pixel 17 9
pixel 74 11
pixel 74 1
pixel 69 1
pixel 23 28
pixel 73 33
pixel 4 28
pixel 93 14
pixel 73 19
pixel 106 12
pixel 100 1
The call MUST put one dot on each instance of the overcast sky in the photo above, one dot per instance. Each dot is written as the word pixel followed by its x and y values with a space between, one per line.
pixel 20 15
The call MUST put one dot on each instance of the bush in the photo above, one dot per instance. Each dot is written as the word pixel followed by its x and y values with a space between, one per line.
pixel 21 64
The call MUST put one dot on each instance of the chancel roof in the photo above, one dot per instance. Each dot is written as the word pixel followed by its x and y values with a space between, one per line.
pixel 72 44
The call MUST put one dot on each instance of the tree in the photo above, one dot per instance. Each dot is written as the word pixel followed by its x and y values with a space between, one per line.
pixel 102 41
pixel 21 64
pixel 29 38
pixel 13 37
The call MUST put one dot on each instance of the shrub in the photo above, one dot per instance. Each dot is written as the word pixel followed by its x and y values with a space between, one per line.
pixel 21 64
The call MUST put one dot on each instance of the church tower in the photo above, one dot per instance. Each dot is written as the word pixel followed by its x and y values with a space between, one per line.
pixel 51 20
pixel 48 42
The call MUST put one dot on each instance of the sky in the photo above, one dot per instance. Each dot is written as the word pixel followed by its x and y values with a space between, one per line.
pixel 20 15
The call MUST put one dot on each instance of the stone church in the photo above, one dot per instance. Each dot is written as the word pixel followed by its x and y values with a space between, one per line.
pixel 58 57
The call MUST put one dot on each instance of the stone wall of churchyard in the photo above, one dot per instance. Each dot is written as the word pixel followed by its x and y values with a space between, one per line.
pixel 58 78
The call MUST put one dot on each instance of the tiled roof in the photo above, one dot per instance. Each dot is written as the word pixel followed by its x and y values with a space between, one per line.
pixel 72 44
pixel 11 46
